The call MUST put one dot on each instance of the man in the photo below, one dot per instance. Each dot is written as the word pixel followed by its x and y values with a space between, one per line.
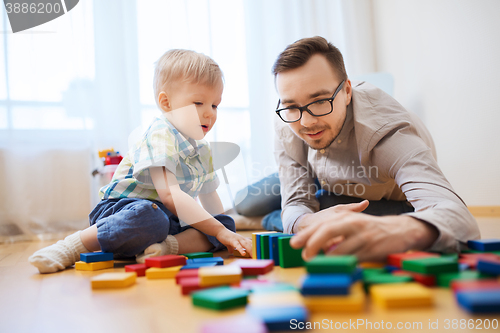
pixel 358 142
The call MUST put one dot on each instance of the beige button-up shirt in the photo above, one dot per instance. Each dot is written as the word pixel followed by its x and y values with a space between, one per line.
pixel 382 151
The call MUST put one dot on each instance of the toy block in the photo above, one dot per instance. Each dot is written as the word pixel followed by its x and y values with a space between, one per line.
pixel 332 264
pixel 139 269
pixel 241 323
pixel 426 280
pixel 385 279
pixel 96 256
pixel 483 245
pixel 219 275
pixel 390 268
pixel 469 285
pixel 265 252
pixel 273 247
pixel 113 280
pixel 190 284
pixel 372 264
pixel 273 288
pixel 396 259
pixel 217 260
pixel 256 243
pixel 285 298
pixel 194 255
pixel 373 271
pixel 279 318
pixel 489 266
pixel 289 257
pixel 93 266
pixel 254 266
pixel 188 273
pixel 431 265
pixel 198 265
pixel 353 302
pixel 445 280
pixel 326 284
pixel 249 284
pixel 463 266
pixel 237 254
pixel 471 258
pixel 401 295
pixel 357 275
pixel 220 298
pixel 480 301
pixel 162 273
pixel 170 260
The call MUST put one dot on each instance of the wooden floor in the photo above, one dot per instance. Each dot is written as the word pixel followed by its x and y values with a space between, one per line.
pixel 64 302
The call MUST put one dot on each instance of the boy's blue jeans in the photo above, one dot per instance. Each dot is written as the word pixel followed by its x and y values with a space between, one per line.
pixel 263 198
pixel 126 227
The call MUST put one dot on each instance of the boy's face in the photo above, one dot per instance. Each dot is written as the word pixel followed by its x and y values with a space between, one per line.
pixel 192 108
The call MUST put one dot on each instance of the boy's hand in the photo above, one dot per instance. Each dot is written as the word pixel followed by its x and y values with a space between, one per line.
pixel 234 241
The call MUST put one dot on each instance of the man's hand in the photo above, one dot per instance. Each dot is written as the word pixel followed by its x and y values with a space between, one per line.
pixel 234 241
pixel 370 238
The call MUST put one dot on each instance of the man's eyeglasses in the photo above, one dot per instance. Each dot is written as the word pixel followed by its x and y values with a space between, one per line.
pixel 317 108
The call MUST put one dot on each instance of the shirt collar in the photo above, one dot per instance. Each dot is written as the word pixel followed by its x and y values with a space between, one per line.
pixel 348 124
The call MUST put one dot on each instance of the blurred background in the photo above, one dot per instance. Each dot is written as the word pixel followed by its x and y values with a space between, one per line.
pixel 83 82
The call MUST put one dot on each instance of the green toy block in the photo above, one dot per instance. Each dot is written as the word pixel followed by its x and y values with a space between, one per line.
pixel 367 272
pixel 385 278
pixel 289 257
pixel 445 280
pixel 264 246
pixel 332 264
pixel 450 256
pixel 476 251
pixel 432 265
pixel 220 298
pixel 198 255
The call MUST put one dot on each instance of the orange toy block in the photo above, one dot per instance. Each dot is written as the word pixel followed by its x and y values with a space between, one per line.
pixel 113 280
pixel 219 275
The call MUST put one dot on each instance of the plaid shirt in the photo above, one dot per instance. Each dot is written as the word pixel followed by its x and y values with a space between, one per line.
pixel 163 145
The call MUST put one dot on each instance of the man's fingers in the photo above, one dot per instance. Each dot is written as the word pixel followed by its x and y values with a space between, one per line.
pixel 354 207
pixel 349 246
pixel 324 234
pixel 300 239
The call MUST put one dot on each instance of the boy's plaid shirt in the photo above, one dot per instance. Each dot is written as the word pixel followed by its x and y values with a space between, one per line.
pixel 163 145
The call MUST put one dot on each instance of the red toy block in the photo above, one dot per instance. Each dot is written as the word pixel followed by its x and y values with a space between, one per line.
pixel 190 284
pixel 186 273
pixel 139 269
pixel 396 259
pixel 425 279
pixel 254 266
pixel 472 258
pixel 166 261
pixel 459 285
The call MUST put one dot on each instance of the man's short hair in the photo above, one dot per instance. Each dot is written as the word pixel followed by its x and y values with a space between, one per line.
pixel 185 65
pixel 297 54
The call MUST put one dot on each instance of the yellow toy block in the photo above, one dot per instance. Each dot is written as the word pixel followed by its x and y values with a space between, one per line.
pixel 372 264
pixel 219 275
pixel 285 298
pixel 401 295
pixel 93 266
pixel 162 273
pixel 237 254
pixel 113 280
pixel 354 302
pixel 254 242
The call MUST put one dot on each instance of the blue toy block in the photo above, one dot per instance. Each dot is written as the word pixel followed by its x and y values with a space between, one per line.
pixel 488 267
pixel 484 244
pixel 257 246
pixel 217 260
pixel 198 265
pixel 326 284
pixel 96 256
pixel 280 318
pixel 357 275
pixel 391 269
pixel 480 301
pixel 273 248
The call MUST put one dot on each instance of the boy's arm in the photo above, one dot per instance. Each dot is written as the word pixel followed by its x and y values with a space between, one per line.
pixel 188 210
pixel 211 202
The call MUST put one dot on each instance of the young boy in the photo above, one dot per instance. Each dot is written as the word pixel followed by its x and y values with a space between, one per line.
pixel 148 209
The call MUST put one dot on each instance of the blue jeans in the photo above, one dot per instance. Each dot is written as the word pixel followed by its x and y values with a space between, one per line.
pixel 126 227
pixel 260 200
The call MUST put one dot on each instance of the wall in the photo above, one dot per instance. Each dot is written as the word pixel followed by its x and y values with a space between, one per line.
pixel 445 59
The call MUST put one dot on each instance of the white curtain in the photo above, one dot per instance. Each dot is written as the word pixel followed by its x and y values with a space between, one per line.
pixel 83 82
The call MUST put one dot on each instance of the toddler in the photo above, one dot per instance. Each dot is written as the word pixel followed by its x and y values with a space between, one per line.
pixel 149 209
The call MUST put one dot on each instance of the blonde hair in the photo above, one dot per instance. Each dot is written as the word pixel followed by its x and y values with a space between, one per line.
pixel 190 66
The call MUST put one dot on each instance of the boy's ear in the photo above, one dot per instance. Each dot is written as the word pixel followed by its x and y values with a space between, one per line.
pixel 164 101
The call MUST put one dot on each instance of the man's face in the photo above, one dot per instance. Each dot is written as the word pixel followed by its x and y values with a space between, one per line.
pixel 313 81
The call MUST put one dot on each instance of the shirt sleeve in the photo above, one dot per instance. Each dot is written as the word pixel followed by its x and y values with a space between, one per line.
pixel 297 181
pixel 404 157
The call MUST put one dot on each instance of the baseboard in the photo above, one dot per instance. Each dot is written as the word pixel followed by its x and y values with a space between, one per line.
pixel 485 211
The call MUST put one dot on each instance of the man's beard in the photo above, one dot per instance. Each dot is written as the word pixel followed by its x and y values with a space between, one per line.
pixel 305 131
